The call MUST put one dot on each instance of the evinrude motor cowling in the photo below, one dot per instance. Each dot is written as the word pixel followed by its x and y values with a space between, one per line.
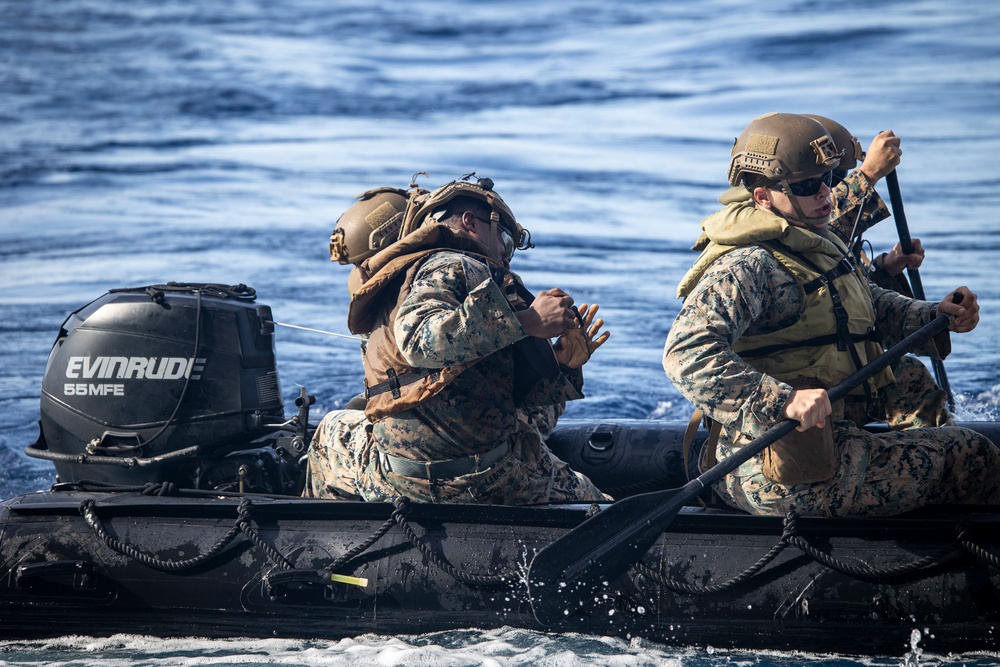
pixel 144 383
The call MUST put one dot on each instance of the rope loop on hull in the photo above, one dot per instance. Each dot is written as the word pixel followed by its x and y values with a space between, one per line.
pixel 243 525
pixel 852 568
pixel 402 508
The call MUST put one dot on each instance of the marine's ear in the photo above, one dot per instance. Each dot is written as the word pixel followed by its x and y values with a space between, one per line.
pixel 762 198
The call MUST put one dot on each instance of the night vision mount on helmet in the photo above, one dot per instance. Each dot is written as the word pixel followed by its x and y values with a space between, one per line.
pixel 851 153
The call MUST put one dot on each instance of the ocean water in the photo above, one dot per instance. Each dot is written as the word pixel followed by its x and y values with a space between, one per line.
pixel 159 140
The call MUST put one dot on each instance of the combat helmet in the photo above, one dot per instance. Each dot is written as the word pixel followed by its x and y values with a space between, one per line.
pixel 434 205
pixel 779 147
pixel 847 144
pixel 368 226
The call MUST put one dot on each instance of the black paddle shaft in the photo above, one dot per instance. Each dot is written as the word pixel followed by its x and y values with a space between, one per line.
pixel 906 243
pixel 567 572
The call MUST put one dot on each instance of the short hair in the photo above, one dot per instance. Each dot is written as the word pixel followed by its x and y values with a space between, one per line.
pixel 753 181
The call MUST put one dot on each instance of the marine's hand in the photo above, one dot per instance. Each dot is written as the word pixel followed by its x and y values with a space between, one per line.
pixel 882 157
pixel 895 261
pixel 573 348
pixel 966 312
pixel 549 315
pixel 809 407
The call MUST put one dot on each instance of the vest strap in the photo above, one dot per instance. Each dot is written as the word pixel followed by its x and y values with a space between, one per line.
pixel 816 341
pixel 706 456
pixel 843 267
pixel 394 382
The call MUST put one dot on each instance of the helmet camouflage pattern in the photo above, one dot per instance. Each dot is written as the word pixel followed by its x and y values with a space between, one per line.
pixel 782 147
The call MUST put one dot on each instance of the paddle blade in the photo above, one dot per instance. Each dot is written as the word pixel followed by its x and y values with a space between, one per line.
pixel 564 574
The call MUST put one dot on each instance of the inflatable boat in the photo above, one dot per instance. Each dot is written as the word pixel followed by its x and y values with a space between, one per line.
pixel 176 513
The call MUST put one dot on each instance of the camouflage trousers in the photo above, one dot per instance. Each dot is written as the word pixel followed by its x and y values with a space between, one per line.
pixel 881 474
pixel 915 400
pixel 343 463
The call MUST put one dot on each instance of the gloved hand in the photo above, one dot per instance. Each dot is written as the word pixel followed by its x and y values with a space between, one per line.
pixel 573 349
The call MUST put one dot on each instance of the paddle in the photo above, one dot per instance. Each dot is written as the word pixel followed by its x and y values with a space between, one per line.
pixel 566 573
pixel 906 243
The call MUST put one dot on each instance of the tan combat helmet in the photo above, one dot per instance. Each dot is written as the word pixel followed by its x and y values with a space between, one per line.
pixel 434 205
pixel 368 226
pixel 779 147
pixel 847 144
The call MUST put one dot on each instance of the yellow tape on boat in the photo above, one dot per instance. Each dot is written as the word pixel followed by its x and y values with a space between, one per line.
pixel 353 581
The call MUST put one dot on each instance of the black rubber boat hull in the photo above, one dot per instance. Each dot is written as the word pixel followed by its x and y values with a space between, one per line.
pixel 59 577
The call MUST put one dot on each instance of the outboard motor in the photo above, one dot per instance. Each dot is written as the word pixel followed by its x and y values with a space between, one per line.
pixel 152 384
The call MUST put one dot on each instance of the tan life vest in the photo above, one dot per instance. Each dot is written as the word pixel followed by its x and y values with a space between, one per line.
pixel 833 336
pixel 835 333
pixel 392 385
pixel 819 266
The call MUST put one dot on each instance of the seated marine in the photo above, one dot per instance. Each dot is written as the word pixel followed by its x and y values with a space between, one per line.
pixel 461 381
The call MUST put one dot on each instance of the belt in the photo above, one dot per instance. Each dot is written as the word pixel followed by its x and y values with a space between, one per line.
pixel 447 468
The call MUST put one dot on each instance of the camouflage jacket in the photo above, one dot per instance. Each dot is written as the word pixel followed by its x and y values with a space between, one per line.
pixel 456 314
pixel 748 292
pixel 854 195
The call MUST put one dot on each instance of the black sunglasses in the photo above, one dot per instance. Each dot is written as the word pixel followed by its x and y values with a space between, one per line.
pixel 808 187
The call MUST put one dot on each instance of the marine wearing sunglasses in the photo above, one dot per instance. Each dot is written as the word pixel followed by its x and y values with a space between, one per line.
pixel 808 187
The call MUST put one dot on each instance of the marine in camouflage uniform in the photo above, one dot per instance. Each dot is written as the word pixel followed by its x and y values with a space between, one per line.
pixel 915 400
pixel 742 288
pixel 456 406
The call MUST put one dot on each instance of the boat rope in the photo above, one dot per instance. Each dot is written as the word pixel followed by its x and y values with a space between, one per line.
pixel 790 537
pixel 319 331
pixel 866 572
pixel 336 566
pixel 158 489
pixel 979 552
pixel 402 508
pixel 691 589
pixel 239 292
pixel 243 525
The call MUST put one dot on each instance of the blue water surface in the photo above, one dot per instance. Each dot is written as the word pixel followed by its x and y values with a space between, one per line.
pixel 160 140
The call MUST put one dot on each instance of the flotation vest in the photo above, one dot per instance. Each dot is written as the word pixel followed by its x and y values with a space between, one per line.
pixel 392 385
pixel 835 333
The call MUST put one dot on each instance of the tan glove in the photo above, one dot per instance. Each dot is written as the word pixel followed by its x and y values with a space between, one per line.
pixel 573 349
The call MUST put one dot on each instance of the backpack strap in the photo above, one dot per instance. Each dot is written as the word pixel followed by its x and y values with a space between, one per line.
pixel 706 458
